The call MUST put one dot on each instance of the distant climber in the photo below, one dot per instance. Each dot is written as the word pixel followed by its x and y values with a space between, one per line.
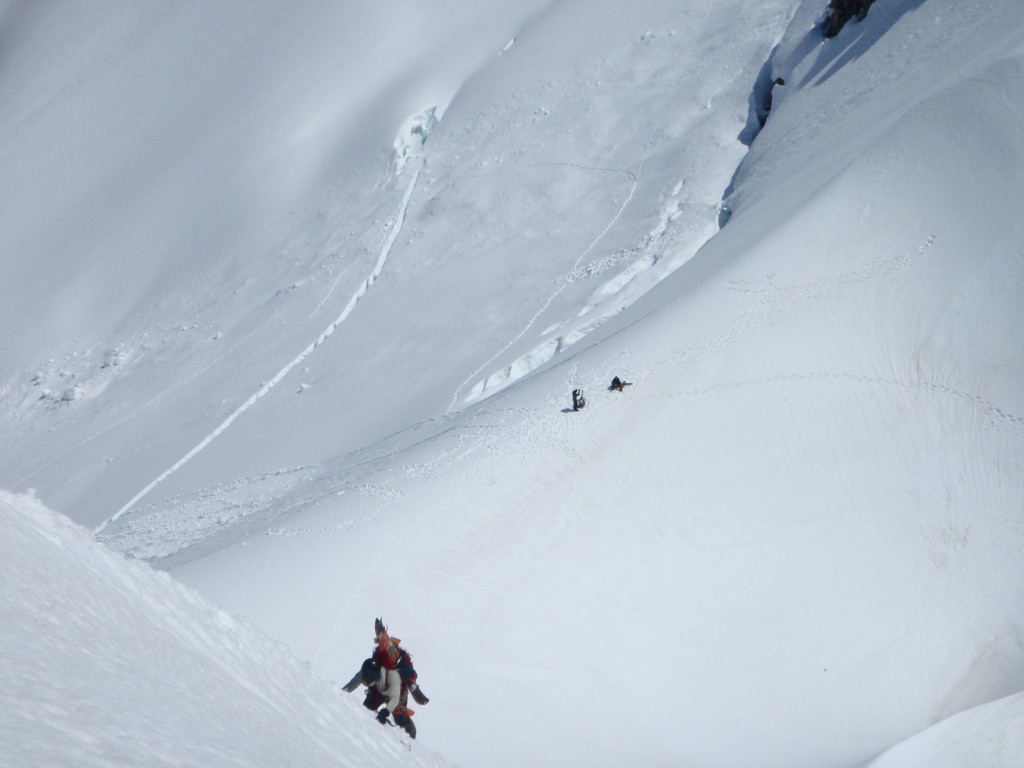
pixel 618 385
pixel 578 400
pixel 389 678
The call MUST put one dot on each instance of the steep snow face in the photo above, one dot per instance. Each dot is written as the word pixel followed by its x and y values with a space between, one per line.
pixel 794 541
pixel 569 173
pixel 107 662
pixel 190 194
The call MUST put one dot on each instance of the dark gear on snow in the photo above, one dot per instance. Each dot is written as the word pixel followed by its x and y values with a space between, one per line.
pixel 578 400
pixel 417 694
pixel 374 698
pixel 370 672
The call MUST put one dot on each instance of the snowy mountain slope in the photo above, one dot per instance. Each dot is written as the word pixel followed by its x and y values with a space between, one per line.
pixel 810 496
pixel 545 113
pixel 992 734
pixel 109 663
pixel 795 540
pixel 192 195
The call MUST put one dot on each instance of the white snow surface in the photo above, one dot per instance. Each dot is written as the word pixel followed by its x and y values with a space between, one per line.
pixel 293 302
pixel 989 735
pixel 114 663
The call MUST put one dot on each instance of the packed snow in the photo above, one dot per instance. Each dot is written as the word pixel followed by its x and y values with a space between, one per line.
pixel 293 305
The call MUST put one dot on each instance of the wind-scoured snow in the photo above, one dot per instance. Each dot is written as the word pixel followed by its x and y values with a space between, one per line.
pixel 794 541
